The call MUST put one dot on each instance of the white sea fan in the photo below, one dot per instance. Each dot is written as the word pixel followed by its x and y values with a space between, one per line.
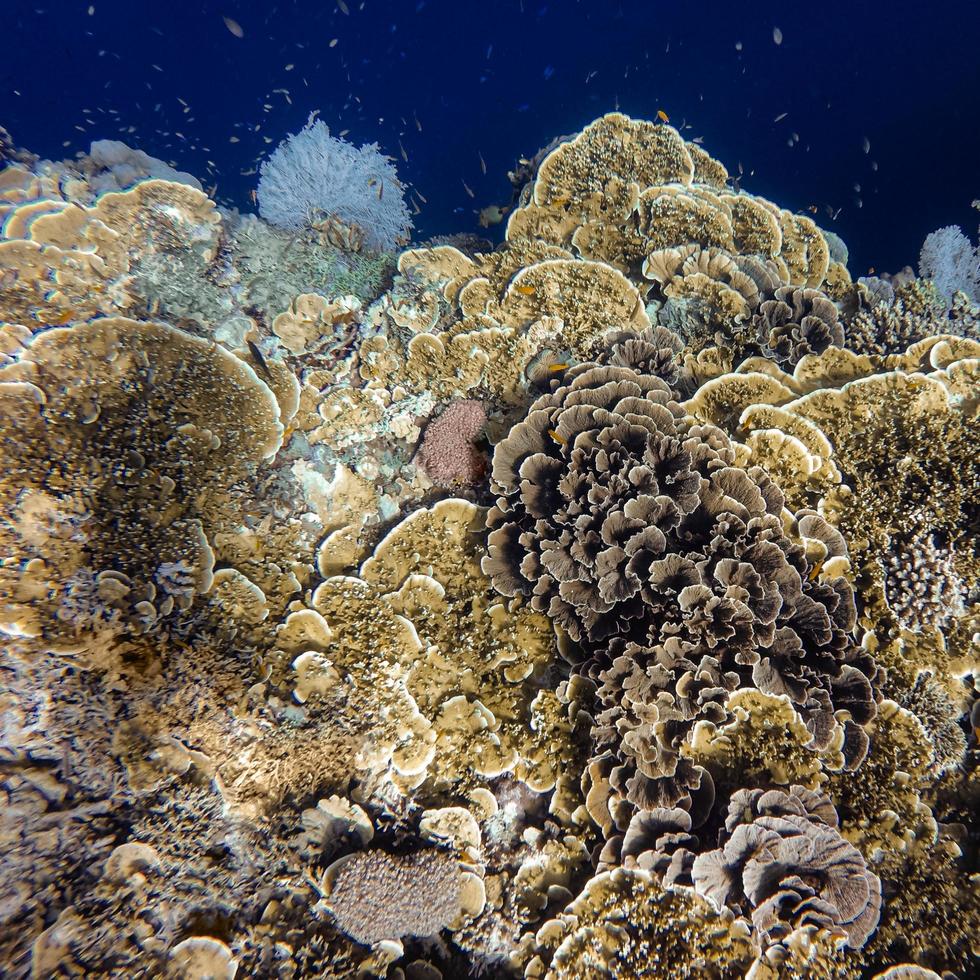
pixel 312 174
pixel 949 259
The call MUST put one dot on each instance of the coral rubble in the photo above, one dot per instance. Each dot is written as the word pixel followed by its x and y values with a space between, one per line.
pixel 602 604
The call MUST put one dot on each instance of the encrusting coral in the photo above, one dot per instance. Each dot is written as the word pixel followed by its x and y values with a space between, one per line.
pixel 602 604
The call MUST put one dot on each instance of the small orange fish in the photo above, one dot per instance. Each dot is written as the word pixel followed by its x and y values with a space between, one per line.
pixel 871 270
pixel 559 202
pixel 815 571
pixel 662 116
pixel 558 367
pixel 554 435
pixel 813 209
pixel 526 290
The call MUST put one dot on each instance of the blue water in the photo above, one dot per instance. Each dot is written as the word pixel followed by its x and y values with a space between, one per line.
pixel 451 82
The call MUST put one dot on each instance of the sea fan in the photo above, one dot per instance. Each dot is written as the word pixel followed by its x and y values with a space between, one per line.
pixel 312 175
pixel 949 259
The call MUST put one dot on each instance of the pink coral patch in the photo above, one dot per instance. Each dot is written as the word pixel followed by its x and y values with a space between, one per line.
pixel 448 453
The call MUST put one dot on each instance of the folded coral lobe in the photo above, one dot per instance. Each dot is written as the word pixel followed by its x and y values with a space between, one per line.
pixel 669 565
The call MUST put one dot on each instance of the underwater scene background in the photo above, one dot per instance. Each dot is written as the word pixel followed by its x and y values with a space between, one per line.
pixel 489 491
pixel 451 82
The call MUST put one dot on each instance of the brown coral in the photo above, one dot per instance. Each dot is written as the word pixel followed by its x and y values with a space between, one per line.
pixel 795 322
pixel 625 924
pixel 632 529
pixel 783 860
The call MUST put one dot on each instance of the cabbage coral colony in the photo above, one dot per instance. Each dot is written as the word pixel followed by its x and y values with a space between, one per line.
pixel 601 605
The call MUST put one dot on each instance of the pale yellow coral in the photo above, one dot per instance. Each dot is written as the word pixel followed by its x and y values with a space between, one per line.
pixel 626 925
pixel 764 742
pixel 313 319
pixel 418 636
pixel 75 261
pixel 589 297
pixel 128 433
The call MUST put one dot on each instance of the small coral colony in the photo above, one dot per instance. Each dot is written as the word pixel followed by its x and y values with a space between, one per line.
pixel 602 604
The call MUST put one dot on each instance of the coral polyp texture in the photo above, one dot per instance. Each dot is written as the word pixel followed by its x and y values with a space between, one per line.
pixel 600 605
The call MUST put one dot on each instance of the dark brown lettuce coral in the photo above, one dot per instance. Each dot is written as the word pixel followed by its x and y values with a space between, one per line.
pixel 797 322
pixel 632 527
pixel 783 862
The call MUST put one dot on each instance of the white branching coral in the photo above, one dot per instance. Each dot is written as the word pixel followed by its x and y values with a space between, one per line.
pixel 313 175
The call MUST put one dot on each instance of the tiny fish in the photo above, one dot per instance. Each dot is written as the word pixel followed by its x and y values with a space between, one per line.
pixel 333 43
pixel 402 150
pixel 738 45
pixel 871 270
pixel 777 35
pixel 699 140
pixel 467 188
pixel 233 26
pixel 526 290
pixel 419 194
pixel 866 145
pixel 381 190
pixel 554 435
pixel 662 116
pixel 344 9
pixel 781 117
pixel 483 163
pixel 259 359
pixel 558 367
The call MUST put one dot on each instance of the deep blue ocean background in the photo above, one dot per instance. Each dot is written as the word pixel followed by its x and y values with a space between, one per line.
pixel 451 83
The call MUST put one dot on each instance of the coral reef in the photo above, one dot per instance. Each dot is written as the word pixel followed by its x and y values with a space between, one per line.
pixel 602 604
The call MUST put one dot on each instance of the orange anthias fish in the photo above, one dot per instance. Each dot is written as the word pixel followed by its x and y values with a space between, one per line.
pixel 662 116
pixel 526 290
